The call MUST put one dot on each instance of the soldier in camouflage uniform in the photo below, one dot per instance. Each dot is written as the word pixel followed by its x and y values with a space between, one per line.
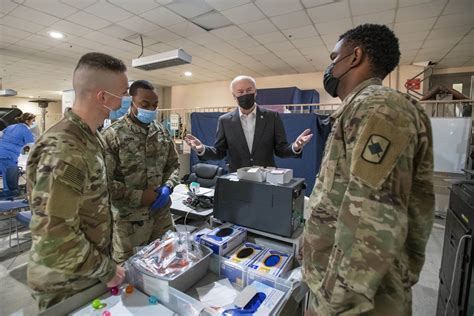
pixel 143 167
pixel 67 188
pixel 373 202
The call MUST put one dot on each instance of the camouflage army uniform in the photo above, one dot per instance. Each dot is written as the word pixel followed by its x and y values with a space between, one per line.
pixel 71 222
pixel 372 206
pixel 138 158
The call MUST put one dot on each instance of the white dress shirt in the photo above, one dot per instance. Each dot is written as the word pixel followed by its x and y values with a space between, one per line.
pixel 248 122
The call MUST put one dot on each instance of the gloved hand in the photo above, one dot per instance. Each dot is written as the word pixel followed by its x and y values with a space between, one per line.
pixel 162 200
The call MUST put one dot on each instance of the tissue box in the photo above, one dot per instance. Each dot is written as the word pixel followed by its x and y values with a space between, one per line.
pixel 224 239
pixel 269 264
pixel 235 267
pixel 257 174
pixel 279 176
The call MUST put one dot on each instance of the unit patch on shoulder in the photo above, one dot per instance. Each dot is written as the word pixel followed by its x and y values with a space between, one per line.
pixel 375 149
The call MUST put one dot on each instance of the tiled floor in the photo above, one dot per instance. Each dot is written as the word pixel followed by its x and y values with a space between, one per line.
pixel 15 298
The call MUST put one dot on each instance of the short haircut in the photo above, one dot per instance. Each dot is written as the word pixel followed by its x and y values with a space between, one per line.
pixel 99 61
pixel 140 84
pixel 379 43
pixel 240 78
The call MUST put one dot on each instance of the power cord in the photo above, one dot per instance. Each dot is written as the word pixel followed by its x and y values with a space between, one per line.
pixel 454 272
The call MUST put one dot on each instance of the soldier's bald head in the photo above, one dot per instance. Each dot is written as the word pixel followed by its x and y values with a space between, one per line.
pixel 96 71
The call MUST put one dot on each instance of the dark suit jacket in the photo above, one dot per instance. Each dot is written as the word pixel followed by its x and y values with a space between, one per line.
pixel 269 138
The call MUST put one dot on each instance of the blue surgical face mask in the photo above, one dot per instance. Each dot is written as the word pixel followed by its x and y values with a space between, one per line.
pixel 124 106
pixel 146 116
pixel 33 125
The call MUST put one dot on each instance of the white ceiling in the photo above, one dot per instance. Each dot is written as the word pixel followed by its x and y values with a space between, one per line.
pixel 254 37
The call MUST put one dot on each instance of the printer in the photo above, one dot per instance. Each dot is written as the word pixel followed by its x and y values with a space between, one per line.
pixel 272 208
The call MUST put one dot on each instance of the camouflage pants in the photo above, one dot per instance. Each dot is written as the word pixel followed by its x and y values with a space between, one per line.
pixel 384 305
pixel 128 235
pixel 46 300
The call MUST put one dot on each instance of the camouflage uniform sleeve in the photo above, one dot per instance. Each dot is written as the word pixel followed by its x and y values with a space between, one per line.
pixel 422 204
pixel 171 170
pixel 377 211
pixel 55 197
pixel 117 188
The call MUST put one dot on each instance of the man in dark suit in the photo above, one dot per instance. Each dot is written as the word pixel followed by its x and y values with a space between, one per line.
pixel 249 135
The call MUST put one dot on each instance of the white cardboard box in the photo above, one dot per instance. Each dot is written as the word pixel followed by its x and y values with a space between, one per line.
pixel 257 174
pixel 279 176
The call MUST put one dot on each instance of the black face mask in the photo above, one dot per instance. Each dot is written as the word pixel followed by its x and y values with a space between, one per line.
pixel 246 101
pixel 330 82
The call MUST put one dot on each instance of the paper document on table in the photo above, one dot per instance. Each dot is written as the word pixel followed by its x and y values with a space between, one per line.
pixel 217 294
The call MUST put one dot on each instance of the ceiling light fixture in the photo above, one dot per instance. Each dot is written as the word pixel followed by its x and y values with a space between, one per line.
pixel 56 35
pixel 188 73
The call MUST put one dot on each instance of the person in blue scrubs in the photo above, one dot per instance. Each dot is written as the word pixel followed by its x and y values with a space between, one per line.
pixel 12 140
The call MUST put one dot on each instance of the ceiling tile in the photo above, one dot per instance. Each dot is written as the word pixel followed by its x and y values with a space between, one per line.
pixel 410 45
pixel 414 26
pixel 330 12
pixel 291 20
pixel 12 32
pixel 270 37
pixel 162 17
pixel 6 6
pixel 335 27
pixel 258 27
pixel 189 8
pixel 441 43
pixel 108 12
pixel 221 5
pixel 139 25
pixel 163 35
pixel 206 39
pixel 117 31
pixel 229 33
pixel 20 24
pixel 418 12
pixel 308 42
pixel 186 29
pixel 313 3
pixel 371 6
pixel 136 7
pixel 385 17
pixel 455 20
pixel 256 50
pixel 449 32
pixel 244 14
pixel 278 7
pixel 69 28
pixel 280 46
pixel 330 40
pixel 51 7
pixel 88 20
pixel 414 36
pixel 409 3
pixel 212 20
pixel 161 47
pixel 459 6
pixel 300 32
pixel 35 45
pixel 80 4
pixel 34 16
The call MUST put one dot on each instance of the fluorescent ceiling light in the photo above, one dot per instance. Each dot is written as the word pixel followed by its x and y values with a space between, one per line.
pixel 188 73
pixel 56 35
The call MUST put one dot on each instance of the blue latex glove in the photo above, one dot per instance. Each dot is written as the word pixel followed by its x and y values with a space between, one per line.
pixel 162 199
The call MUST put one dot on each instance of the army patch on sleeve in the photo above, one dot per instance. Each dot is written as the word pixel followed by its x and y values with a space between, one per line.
pixel 379 146
pixel 375 149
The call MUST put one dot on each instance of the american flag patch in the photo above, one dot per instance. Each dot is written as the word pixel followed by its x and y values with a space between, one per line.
pixel 74 177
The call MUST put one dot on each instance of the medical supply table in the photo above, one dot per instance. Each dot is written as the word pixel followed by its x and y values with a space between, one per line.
pixel 185 303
